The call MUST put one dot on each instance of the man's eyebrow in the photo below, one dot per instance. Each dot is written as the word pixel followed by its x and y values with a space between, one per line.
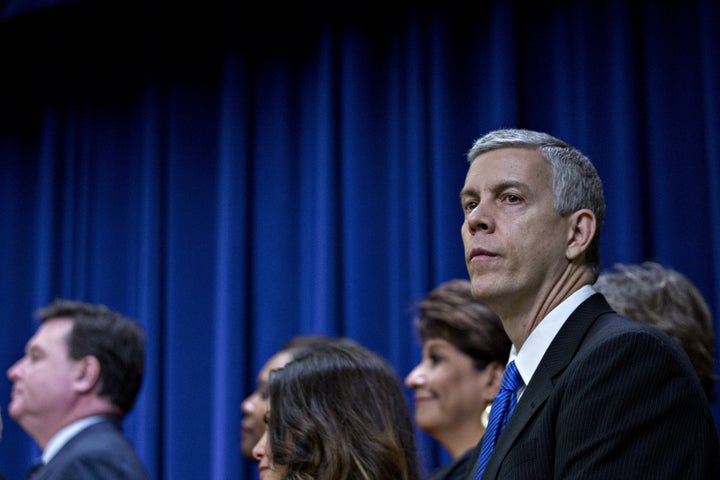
pixel 465 192
pixel 510 184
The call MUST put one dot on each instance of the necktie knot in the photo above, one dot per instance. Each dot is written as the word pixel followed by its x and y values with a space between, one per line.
pixel 511 381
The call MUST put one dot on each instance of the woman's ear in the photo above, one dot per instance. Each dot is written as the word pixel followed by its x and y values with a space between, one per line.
pixel 493 380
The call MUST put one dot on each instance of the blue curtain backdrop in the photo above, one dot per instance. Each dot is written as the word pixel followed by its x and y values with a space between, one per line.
pixel 232 176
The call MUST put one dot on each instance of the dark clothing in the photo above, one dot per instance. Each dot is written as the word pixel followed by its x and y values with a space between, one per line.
pixel 611 398
pixel 455 470
pixel 100 451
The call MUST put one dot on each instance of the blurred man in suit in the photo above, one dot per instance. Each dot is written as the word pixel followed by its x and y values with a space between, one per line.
pixel 80 375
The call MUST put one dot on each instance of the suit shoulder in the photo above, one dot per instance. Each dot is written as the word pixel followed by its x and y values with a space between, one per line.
pixel 100 451
pixel 613 327
pixel 628 344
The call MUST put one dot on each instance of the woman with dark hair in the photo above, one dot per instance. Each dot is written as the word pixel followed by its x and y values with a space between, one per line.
pixel 464 352
pixel 337 412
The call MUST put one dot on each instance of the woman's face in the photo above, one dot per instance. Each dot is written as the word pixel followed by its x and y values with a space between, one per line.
pixel 263 454
pixel 255 406
pixel 449 391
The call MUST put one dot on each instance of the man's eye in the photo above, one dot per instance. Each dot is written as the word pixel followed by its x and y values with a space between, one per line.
pixel 470 206
pixel 510 198
pixel 435 359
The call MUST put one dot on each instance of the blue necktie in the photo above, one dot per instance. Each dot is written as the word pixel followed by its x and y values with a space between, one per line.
pixel 500 412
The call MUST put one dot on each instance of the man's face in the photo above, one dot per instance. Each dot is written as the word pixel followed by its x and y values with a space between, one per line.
pixel 43 379
pixel 255 406
pixel 515 242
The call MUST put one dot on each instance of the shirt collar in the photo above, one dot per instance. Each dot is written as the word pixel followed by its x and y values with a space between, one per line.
pixel 534 348
pixel 65 434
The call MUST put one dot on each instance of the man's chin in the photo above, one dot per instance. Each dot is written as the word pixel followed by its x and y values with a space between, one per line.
pixel 14 411
pixel 479 289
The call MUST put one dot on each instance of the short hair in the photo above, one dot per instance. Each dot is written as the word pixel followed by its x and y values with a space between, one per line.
pixel 116 341
pixel 666 299
pixel 573 179
pixel 452 313
pixel 339 411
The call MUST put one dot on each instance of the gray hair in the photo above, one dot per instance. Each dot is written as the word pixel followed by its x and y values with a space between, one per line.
pixel 573 179
pixel 666 299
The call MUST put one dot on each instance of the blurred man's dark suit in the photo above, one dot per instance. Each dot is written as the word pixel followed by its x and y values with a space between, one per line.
pixel 101 451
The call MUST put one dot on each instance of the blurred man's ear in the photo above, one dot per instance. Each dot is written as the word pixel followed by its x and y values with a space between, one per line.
pixel 88 374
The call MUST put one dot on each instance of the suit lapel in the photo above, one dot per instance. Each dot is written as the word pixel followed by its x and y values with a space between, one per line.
pixel 557 357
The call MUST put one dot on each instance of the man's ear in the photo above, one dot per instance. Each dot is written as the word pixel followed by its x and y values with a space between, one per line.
pixel 88 374
pixel 581 230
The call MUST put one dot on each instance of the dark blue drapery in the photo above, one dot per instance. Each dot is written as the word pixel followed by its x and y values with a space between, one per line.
pixel 232 177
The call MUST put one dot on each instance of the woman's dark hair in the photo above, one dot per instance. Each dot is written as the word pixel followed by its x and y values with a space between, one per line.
pixel 451 312
pixel 339 412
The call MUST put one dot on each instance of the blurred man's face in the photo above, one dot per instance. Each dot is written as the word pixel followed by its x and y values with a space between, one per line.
pixel 44 379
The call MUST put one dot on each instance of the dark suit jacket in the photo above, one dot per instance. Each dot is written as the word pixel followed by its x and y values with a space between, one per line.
pixel 610 399
pixel 101 451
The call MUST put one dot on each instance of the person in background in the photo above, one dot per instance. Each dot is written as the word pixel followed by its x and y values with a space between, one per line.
pixel 668 300
pixel 255 405
pixel 337 412
pixel 80 375
pixel 586 392
pixel 464 351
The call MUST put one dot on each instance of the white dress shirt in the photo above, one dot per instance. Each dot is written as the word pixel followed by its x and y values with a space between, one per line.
pixel 532 351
